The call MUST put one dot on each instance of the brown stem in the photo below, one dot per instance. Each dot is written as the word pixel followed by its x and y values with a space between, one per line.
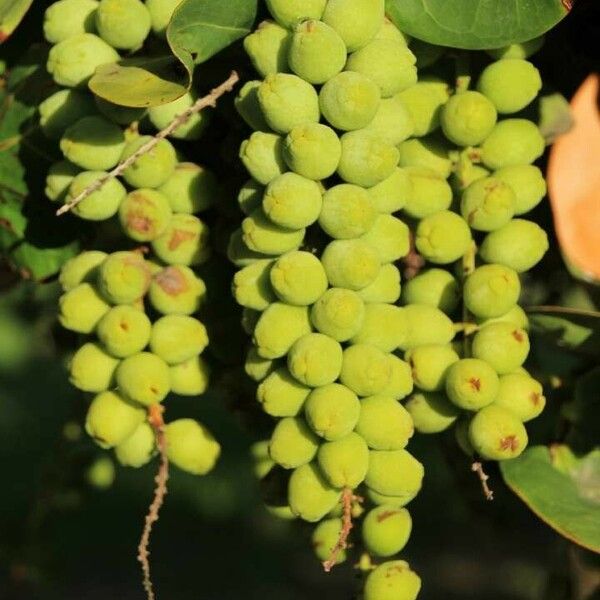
pixel 342 543
pixel 208 100
pixel 477 467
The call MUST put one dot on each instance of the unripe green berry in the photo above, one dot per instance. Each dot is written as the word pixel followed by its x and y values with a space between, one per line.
pixel 67 18
pixel 504 346
pixel 144 378
pixel 191 447
pixel 279 327
pixel 390 237
pixel 80 268
pixel 384 423
pixel 238 253
pixel 356 21
pixel 298 278
pixel 81 308
pixel 424 102
pixel 153 168
pixel 293 443
pixel 392 122
pixel 391 194
pixel 443 237
pixel 512 142
pixel 324 539
pixel 138 449
pixel 315 359
pixel 487 204
pixel 385 288
pixel 366 370
pixel 252 285
pixel 58 179
pixel 516 315
pixel 426 325
pixel 184 241
pixel 519 50
pixel 468 118
pixel 62 109
pixel 385 530
pixel 522 395
pixel 491 290
pixel 434 287
pixel 392 580
pixel 429 364
pixel 123 24
pixel 309 495
pixel 388 31
pixel 262 235
pixel 528 184
pixel 163 115
pixel 144 214
pixel 92 369
pixel 124 330
pixel 99 205
pixel 332 411
pixel 344 462
pixel 177 338
pixel 190 188
pixel 250 196
pixel 247 105
pixel 262 155
pixel 338 313
pixel 431 193
pixel 431 412
pixel 190 378
pixel 161 12
pixel 176 290
pixel 394 473
pixel 471 383
pixel 348 211
pixel 288 12
pixel 401 382
pixel 268 47
pixel 430 153
pixel 124 277
pixel 256 367
pixel 384 326
pixel 351 264
pixel 281 395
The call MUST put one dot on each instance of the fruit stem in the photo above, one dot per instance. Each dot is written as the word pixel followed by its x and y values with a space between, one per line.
pixel 477 467
pixel 348 498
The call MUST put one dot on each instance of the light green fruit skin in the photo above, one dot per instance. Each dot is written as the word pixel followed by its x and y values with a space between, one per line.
pixel 144 214
pixel 491 290
pixel 391 194
pixel 351 264
pixel 386 287
pixel 384 423
pixel 298 278
pixel 190 188
pixel 258 368
pixel 347 212
pixel 161 116
pixel 385 500
pixel 392 580
pixel 338 313
pixel 510 83
pixel 512 142
pixel 292 201
pixel 430 364
pixel 138 449
pixel 123 277
pixel 401 381
pixel 392 121
pixel 424 102
pixel 390 64
pixel 309 495
pixel 81 308
pixel 62 109
pixel 497 434
pixel 471 384
pixel 356 21
pixel 190 378
pixel 67 18
pixel 528 184
pixel 238 253
pixel 144 378
pixel 315 359
pixel 366 370
pixel 384 326
pixel 279 327
pixel 124 330
pixel 80 268
pixel 426 325
pixel 268 47
pixel 434 287
pixel 502 345
pixel 388 31
pixel 468 118
pixel 100 474
pixel 262 235
pixel 92 369
pixel 443 237
pixel 431 412
pixel 521 50
pixel 317 53
pixel 99 205
pixel 191 446
pixel 349 101
pixel 312 150
pixel 332 411
pixel 394 473
pixel 251 286
pixel 430 152
pixel 288 12
pixel 124 24
pixel 522 395
pixel 73 61
pixel 518 245
pixel 344 462
pixel 122 115
pixel 153 168
pixel 366 159
pixel 287 101
pixel 280 394
pixel 386 530
pixel 324 539
pixel 465 173
pixel 516 315
pixel 59 178
pixel 293 443
pixel 161 12
pixel 184 241
pixel 247 106
pixel 390 237
pixel 250 196
pixel 177 338
pixel 487 204
pixel 261 461
pixel 431 193
pixel 249 320
pixel 111 419
pixel 93 143
pixel 262 155
pixel 176 290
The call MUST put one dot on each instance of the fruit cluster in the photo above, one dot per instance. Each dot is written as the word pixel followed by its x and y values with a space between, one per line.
pixel 346 136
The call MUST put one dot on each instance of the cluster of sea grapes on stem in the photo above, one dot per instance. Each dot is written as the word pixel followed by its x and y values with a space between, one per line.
pixel 346 136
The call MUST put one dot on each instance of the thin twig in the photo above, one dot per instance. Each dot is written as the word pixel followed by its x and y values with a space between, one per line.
pixel 160 491
pixel 208 100
pixel 342 543
pixel 477 467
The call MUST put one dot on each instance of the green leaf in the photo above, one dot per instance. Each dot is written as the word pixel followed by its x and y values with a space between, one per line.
pixel 11 14
pixel 475 24
pixel 561 489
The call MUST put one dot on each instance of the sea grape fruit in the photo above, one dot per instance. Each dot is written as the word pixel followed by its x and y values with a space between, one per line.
pixel 292 443
pixel 124 24
pixel 332 411
pixel 80 268
pixel 394 473
pixel 384 326
pixel 99 205
pixel 153 168
pixel 385 530
pixel 161 116
pixel 424 102
pixel 251 285
pixel 338 313
pixel 392 194
pixel 177 338
pixel 298 278
pixel 426 325
pixel 443 237
pixel 497 434
pixel 429 364
pixel 190 378
pixel 62 109
pixel 92 369
pixel 491 290
pixel 325 537
pixel 176 290
pixel 278 327
pixel 268 48
pixel 528 184
pixel 262 235
pixel 468 118
pixel 344 462
pixel 431 412
pixel 138 449
pixel 385 288
pixel 471 383
pixel 384 423
pixel 315 359
pixel 503 345
pixel 67 18
pixel 351 264
pixel 431 193
pixel 262 155
pixel 347 212
pixel 144 378
pixel 366 370
pixel 434 287
pixel 191 447
pixel 124 277
pixel 81 308
pixel 184 241
pixel 309 495
pixel 487 204
pixel 392 580
pixel 124 330
pixel 281 395
pixel 161 12
pixel 289 12
pixel 356 21
pixel 190 188
pixel 512 142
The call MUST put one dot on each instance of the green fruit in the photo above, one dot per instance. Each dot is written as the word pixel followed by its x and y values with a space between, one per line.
pixel 434 287
pixel 256 367
pixel 504 346
pixel 262 235
pixel 511 84
pixel 390 64
pixel 516 315
pixel 390 237
pixel 383 500
pixel 176 290
pixel 384 423
pixel 163 115
pixel 101 473
pixel 520 50
pixel 92 369
pixel 298 278
pixel 250 196
pixel 431 412
pixel 99 205
pixel 144 378
pixel 59 178
pixel 344 462
pixel 62 109
pixel 152 169
pixel 518 245
pixel 512 142
pixel 497 434
pixel 528 184
pixel 184 241
pixel 385 530
pixel 426 325
pixel 443 237
pixel 392 122
pixel 293 443
pixel 431 193
pixel 93 143
pixel 351 264
pixel 309 495
pixel 401 382
pixel 356 21
pixel 247 106
pixel 67 18
pixel 394 473
pixel 177 338
pixel 73 61
pixel 289 12
pixel 468 118
pixel 384 326
pixel 251 285
pixel 366 370
pixel 191 447
pixel 471 383
pixel 268 47
pixel 349 101
pixel 161 12
pixel 338 313
pixel 392 580
pixel 324 539
pixel 391 194
pixel 388 31
pixel 190 188
pixel 491 290
pixel 332 411
pixel 138 449
pixel 385 288
pixel 81 308
pixel 262 155
pixel 81 268
pixel 522 395
pixel 124 277
pixel 123 24
pixel 315 359
pixel 111 419
pixel 281 395
pixel 487 204
pixel 424 102
pixel 121 115
pixel 190 378
pixel 348 211
pixel 279 326
pixel 124 330
pixel 431 152
pixel 429 365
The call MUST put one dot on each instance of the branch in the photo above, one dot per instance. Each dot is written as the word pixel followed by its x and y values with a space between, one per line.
pixel 208 100
pixel 477 467
pixel 342 543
